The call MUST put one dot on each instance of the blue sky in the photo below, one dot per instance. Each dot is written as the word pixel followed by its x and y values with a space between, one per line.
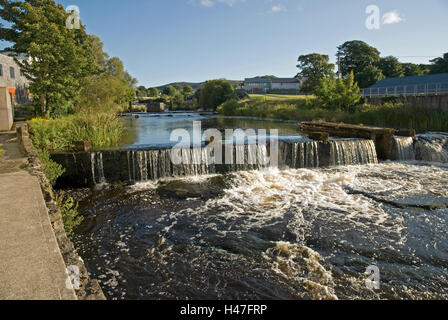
pixel 163 41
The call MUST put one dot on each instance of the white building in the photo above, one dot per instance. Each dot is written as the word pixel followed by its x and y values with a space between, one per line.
pixel 12 78
pixel 273 85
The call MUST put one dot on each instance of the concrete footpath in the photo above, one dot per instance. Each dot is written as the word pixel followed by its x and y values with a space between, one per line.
pixel 31 263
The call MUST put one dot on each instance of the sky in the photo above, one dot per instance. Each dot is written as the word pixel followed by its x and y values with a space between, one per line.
pixel 164 41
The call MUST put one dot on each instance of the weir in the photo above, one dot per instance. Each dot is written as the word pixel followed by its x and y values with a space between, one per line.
pixel 98 167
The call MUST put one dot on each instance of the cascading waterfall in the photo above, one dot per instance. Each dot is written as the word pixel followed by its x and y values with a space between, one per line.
pixel 352 152
pixel 97 167
pixel 299 155
pixel 403 149
pixel 150 165
pixel 432 147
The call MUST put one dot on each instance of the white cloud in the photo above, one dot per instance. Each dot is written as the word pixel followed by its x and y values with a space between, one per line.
pixel 392 17
pixel 212 3
pixel 277 8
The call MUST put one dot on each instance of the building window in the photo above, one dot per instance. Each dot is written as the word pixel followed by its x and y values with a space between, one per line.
pixel 12 72
pixel 1 70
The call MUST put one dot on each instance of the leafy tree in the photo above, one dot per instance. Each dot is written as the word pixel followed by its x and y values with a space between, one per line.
pixel 314 67
pixel 104 93
pixel 132 82
pixel 169 91
pixel 440 65
pixel 361 59
pixel 411 69
pixel 215 92
pixel 153 92
pixel 60 58
pixel 97 48
pixel 187 91
pixel 142 92
pixel 339 94
pixel 178 99
pixel 391 67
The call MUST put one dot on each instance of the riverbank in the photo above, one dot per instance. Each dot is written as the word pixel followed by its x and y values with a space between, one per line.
pixel 309 108
pixel 88 289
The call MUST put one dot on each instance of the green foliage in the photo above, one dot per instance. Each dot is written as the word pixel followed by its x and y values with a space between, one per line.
pixel 153 92
pixel 59 57
pixel 308 109
pixel 1 152
pixel 187 91
pixel 104 94
pixel 440 65
pixel 51 169
pixel 338 94
pixel 391 67
pixel 411 69
pixel 70 214
pixel 361 59
pixel 170 91
pixel 215 92
pixel 57 135
pixel 314 67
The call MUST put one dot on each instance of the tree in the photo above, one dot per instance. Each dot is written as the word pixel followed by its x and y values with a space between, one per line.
pixel 361 59
pixel 339 94
pixel 60 58
pixel 104 93
pixel 214 92
pixel 132 82
pixel 313 68
pixel 169 91
pixel 97 48
pixel 440 65
pixel 187 91
pixel 142 92
pixel 411 69
pixel 153 92
pixel 391 67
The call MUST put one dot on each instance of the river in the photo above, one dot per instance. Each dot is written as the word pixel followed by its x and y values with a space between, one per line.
pixel 307 233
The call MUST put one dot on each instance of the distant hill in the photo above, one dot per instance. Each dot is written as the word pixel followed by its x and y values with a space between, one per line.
pixel 195 85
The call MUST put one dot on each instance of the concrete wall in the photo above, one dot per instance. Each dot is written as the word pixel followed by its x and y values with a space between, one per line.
pixel 431 101
pixel 6 118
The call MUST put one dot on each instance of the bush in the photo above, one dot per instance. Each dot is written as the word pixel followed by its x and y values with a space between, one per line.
pixel 229 108
pixel 70 214
pixel 214 93
pixel 340 94
pixel 52 170
pixel 57 135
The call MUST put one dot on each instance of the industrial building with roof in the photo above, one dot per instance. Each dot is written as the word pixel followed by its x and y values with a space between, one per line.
pixel 435 84
pixel 273 85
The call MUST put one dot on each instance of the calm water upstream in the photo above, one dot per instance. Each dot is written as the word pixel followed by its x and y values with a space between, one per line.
pixel 268 234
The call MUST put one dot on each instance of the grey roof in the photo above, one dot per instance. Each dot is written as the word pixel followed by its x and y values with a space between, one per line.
pixel 416 80
pixel 272 80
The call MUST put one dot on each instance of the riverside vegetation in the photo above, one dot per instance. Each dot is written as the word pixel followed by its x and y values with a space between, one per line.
pixel 339 100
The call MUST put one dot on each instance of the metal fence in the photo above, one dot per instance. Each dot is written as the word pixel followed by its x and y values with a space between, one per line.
pixel 408 90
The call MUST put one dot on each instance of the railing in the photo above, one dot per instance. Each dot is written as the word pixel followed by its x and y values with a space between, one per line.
pixel 408 90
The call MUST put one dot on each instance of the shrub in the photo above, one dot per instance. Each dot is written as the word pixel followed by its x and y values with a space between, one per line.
pixel 340 94
pixel 56 135
pixel 52 170
pixel 214 93
pixel 70 214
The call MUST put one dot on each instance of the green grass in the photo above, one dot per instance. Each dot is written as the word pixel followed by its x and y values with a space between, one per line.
pixel 278 97
pixel 308 109
pixel 58 135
